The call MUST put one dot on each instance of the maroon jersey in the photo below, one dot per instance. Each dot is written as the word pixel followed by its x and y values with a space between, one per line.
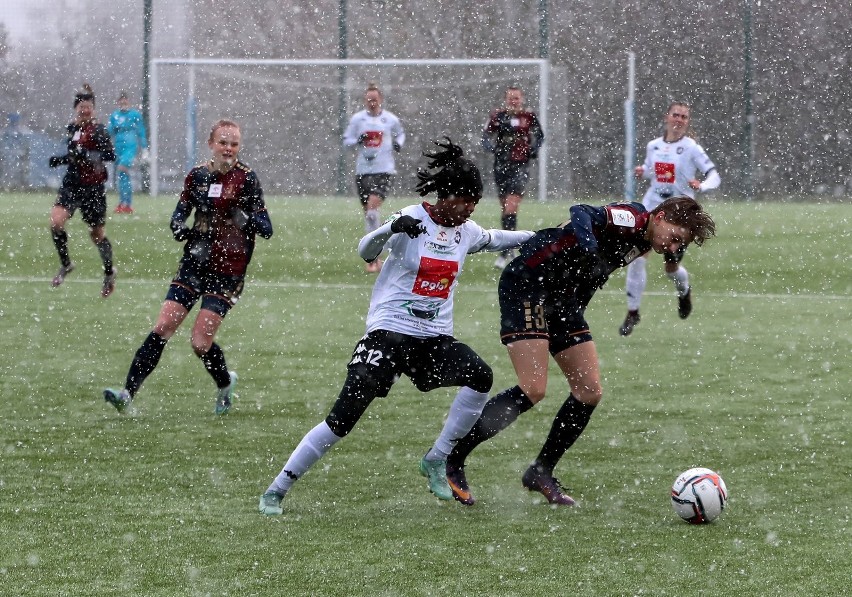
pixel 229 211
pixel 89 146
pixel 512 136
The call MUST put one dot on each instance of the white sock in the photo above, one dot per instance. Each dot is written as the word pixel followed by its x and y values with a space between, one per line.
pixel 372 220
pixel 680 277
pixel 636 280
pixel 464 412
pixel 313 446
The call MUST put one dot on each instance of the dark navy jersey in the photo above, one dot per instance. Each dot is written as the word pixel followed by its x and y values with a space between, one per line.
pixel 554 256
pixel 218 238
pixel 89 146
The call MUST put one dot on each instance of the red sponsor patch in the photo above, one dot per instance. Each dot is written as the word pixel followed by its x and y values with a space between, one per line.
pixel 665 172
pixel 374 139
pixel 435 277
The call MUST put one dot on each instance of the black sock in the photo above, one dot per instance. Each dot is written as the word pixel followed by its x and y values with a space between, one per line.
pixel 498 413
pixel 568 424
pixel 60 241
pixel 105 249
pixel 214 362
pixel 144 362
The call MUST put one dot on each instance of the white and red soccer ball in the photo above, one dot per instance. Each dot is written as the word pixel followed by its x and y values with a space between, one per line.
pixel 699 495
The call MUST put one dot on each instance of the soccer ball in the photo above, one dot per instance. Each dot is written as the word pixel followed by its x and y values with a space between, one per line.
pixel 699 495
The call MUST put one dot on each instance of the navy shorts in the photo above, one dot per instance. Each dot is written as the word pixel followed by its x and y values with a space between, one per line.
pixel 218 292
pixel 530 312
pixel 511 178
pixel 372 184
pixel 89 199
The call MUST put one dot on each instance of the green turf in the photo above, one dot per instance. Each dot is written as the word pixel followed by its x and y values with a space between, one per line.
pixel 756 385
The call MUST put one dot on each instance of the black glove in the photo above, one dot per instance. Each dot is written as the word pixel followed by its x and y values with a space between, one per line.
pixel 56 161
pixel 361 138
pixel 533 154
pixel 180 231
pixel 397 147
pixel 240 218
pixel 409 225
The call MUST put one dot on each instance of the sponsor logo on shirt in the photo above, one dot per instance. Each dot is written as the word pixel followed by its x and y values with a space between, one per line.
pixel 435 277
pixel 623 217
pixel 664 171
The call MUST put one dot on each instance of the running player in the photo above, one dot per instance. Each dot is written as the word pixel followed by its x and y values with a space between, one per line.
pixel 89 146
pixel 378 135
pixel 671 164
pixel 229 212
pixel 410 321
pixel 514 135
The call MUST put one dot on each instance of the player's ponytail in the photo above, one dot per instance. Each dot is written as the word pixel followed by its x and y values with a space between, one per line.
pixel 449 173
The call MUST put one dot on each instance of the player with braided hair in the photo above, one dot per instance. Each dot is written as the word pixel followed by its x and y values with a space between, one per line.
pixel 410 320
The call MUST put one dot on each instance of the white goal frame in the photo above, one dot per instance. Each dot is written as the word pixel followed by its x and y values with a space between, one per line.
pixel 543 96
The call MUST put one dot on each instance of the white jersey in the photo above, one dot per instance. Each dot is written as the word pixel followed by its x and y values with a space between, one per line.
pixel 413 294
pixel 375 153
pixel 670 167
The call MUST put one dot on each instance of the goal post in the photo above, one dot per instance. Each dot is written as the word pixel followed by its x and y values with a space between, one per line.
pixel 470 95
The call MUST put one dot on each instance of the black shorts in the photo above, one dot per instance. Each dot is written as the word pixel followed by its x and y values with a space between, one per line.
pixel 218 292
pixel 430 363
pixel 89 199
pixel 530 312
pixel 372 184
pixel 511 178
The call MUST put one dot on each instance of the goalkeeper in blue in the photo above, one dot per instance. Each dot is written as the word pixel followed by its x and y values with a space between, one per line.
pixel 410 321
pixel 127 129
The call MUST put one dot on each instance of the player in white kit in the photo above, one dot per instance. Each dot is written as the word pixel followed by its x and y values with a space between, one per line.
pixel 672 163
pixel 378 135
pixel 410 321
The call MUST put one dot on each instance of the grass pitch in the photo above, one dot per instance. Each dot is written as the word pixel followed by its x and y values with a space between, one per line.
pixel 755 384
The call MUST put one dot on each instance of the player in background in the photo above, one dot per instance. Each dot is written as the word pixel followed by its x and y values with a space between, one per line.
pixel 410 320
pixel 514 135
pixel 543 296
pixel 227 199
pixel 671 164
pixel 127 128
pixel 378 135
pixel 89 146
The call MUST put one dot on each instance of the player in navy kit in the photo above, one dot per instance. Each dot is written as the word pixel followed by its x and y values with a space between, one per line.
pixel 543 295
pixel 410 321
pixel 514 135
pixel 671 164
pixel 378 135
pixel 89 146
pixel 227 199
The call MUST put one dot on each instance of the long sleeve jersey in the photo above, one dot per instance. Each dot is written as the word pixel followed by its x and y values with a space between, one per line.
pixel 513 137
pixel 555 256
pixel 670 167
pixel 375 137
pixel 89 146
pixel 414 291
pixel 216 239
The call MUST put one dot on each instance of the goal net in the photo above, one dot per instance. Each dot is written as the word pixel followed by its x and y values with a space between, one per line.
pixel 293 112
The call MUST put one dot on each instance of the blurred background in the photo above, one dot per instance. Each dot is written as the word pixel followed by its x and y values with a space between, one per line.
pixel 769 83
